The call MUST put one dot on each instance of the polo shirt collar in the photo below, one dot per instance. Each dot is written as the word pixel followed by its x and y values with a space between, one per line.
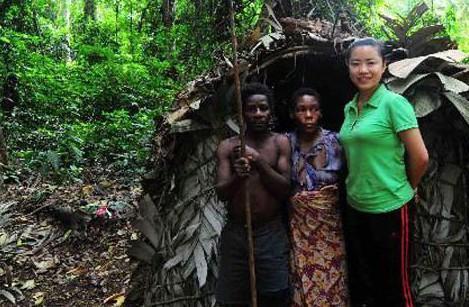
pixel 374 100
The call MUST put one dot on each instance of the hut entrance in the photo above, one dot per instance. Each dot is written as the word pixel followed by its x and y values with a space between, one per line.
pixel 324 72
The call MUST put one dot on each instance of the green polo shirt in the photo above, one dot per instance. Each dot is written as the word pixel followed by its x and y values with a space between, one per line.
pixel 377 180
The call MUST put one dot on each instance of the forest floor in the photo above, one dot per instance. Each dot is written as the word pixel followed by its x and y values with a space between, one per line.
pixel 65 245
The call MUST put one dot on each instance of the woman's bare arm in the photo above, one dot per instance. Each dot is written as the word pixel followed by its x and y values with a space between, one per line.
pixel 417 155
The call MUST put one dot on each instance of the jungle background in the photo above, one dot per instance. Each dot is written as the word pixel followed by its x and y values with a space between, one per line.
pixel 82 84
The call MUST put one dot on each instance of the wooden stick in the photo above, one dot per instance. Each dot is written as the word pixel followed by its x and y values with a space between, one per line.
pixel 242 139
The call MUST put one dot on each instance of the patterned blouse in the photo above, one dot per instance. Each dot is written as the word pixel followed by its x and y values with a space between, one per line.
pixel 304 176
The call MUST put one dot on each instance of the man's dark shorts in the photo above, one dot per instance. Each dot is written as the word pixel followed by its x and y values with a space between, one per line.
pixel 271 248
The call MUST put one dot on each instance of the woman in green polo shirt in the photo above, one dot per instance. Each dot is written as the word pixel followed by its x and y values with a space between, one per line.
pixel 386 158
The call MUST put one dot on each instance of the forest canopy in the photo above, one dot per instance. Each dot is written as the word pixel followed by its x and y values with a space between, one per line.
pixel 87 78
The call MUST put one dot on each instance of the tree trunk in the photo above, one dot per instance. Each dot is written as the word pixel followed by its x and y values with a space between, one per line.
pixel 117 22
pixel 199 7
pixel 65 12
pixel 143 16
pixel 4 6
pixel 131 28
pixel 3 148
pixel 168 12
pixel 90 10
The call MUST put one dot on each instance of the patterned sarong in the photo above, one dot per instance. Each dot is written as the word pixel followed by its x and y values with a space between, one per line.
pixel 318 266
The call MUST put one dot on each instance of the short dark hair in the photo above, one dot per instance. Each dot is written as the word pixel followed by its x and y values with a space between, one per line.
pixel 256 88
pixel 302 91
pixel 367 41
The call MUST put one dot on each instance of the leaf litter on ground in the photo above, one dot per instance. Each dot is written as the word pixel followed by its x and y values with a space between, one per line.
pixel 52 264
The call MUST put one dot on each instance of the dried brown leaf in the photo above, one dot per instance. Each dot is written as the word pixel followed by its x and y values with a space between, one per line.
pixel 28 285
pixel 201 265
pixel 461 104
pixel 117 299
pixel 141 251
pixel 423 35
pixel 45 265
pixel 402 69
pixel 38 298
pixel 149 231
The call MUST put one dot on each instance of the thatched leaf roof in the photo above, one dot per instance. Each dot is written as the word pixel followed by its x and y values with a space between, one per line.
pixel 427 80
pixel 429 63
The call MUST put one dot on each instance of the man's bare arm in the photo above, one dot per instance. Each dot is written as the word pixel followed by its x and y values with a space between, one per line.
pixel 227 182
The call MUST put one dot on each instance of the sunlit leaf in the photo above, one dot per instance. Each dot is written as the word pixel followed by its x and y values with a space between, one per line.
pixel 116 299
pixel 28 285
pixel 119 301
pixel 200 264
pixel 44 265
pixel 8 296
pixel 3 239
pixel 38 298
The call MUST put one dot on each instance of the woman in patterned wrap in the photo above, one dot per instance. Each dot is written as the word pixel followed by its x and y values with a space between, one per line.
pixel 318 267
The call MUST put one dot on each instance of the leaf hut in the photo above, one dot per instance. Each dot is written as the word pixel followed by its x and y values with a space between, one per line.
pixel 181 217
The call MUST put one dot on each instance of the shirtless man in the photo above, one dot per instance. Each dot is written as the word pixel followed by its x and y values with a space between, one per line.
pixel 266 166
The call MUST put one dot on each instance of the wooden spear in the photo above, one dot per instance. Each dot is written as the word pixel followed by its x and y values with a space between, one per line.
pixel 242 139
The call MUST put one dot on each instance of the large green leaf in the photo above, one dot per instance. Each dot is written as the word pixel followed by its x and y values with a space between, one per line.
pixel 423 35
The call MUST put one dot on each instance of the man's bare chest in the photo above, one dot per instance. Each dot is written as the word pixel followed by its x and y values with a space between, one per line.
pixel 268 151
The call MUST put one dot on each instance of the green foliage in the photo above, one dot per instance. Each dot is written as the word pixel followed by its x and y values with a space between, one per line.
pixel 248 17
pixel 452 14
pixel 457 24
pixel 367 11
pixel 120 140
pixel 90 89
pixel 90 85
